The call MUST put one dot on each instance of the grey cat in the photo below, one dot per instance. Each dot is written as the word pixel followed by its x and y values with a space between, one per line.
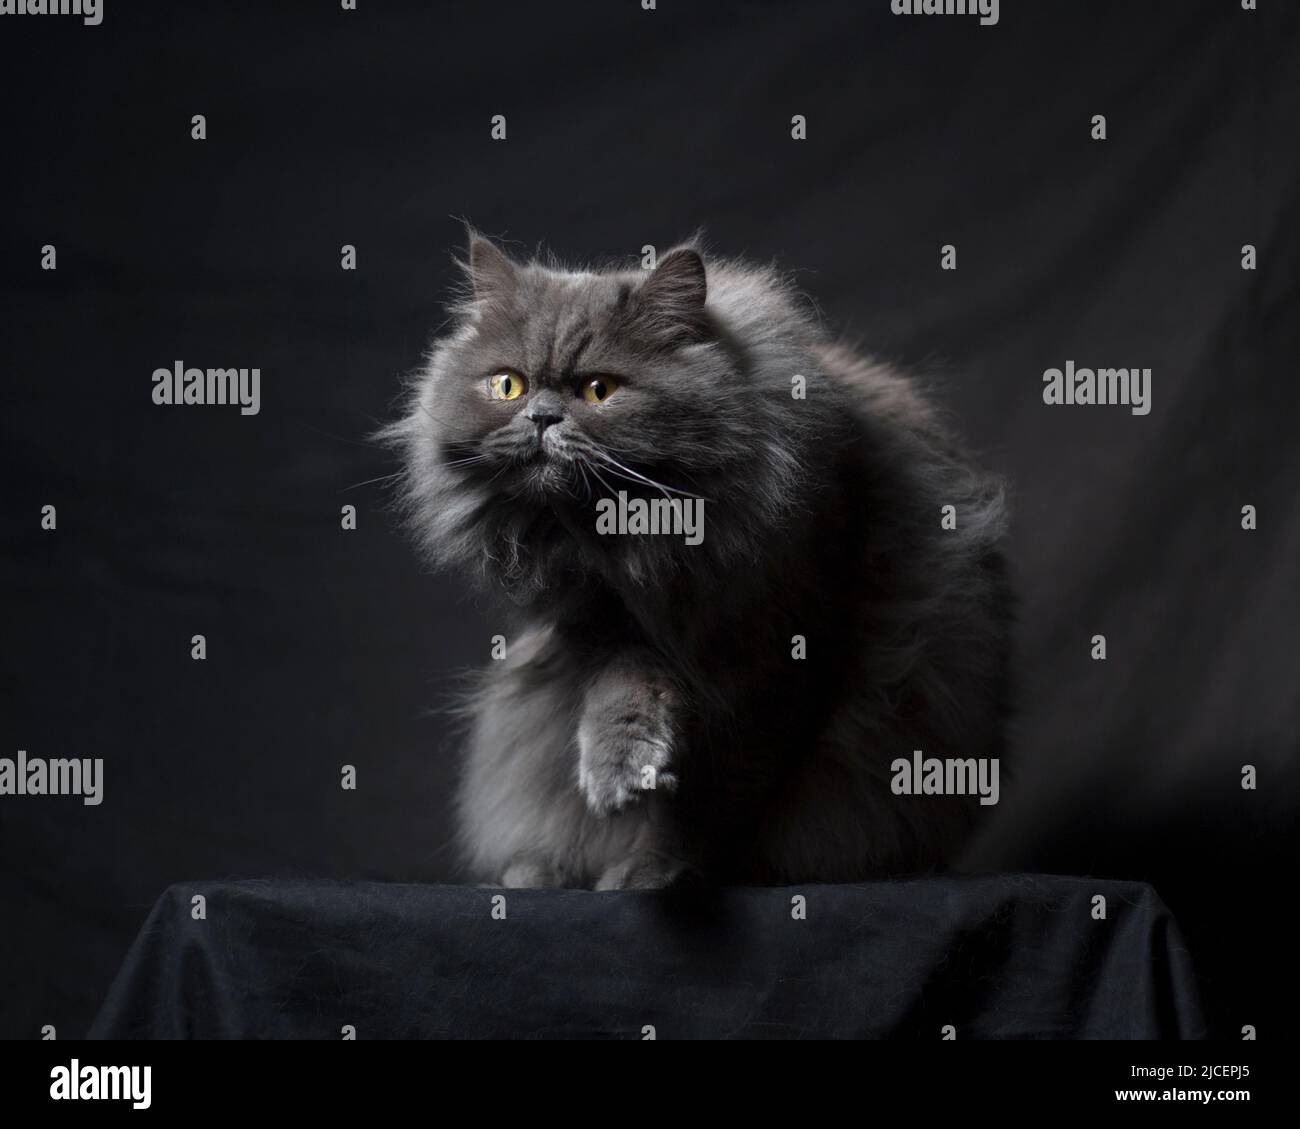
pixel 729 709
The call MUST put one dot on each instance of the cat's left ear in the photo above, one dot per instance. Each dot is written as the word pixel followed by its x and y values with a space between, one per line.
pixel 491 271
pixel 670 303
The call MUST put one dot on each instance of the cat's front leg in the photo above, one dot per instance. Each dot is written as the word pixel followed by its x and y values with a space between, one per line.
pixel 643 870
pixel 627 735
pixel 528 872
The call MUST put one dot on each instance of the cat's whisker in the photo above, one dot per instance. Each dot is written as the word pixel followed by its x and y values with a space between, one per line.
pixel 628 472
pixel 641 480
pixel 581 464
pixel 368 481
pixel 497 473
pixel 601 478
pixel 628 478
pixel 436 419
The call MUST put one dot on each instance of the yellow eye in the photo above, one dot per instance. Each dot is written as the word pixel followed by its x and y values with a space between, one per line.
pixel 598 389
pixel 506 385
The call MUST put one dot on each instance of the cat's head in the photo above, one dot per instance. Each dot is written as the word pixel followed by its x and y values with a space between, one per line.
pixel 555 389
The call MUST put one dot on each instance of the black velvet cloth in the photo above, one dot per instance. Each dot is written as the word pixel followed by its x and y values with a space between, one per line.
pixel 1006 957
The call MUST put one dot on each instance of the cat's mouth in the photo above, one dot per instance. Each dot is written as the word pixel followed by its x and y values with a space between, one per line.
pixel 548 467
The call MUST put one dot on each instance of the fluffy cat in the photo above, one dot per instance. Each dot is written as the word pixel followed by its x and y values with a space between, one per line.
pixel 655 714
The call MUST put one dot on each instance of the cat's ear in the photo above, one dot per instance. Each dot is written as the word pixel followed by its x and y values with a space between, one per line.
pixel 670 303
pixel 491 272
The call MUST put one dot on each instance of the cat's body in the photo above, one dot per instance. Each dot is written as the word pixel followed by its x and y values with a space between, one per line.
pixel 732 707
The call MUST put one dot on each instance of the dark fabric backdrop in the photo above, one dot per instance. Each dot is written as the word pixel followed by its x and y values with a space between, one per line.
pixel 626 127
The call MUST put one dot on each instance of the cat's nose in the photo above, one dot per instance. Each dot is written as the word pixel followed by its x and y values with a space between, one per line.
pixel 543 418
pixel 545 410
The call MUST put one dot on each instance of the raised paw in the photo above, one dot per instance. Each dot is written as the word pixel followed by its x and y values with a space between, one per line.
pixel 623 758
pixel 626 737
pixel 615 770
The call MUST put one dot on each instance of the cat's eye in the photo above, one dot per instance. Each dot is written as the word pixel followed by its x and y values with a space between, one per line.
pixel 506 385
pixel 598 389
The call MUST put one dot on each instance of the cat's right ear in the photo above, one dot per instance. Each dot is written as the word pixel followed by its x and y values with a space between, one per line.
pixel 491 272
pixel 669 305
